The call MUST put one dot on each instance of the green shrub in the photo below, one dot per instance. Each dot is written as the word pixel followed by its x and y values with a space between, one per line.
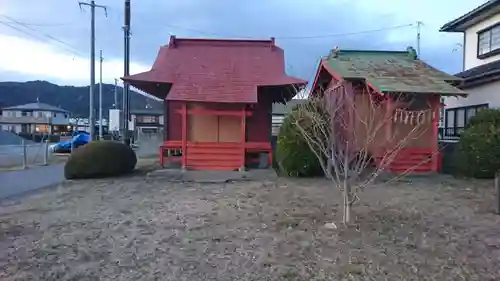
pixel 490 116
pixel 478 151
pixel 100 159
pixel 294 156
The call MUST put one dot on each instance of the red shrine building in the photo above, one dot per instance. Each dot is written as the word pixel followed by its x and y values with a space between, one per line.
pixel 218 97
pixel 392 103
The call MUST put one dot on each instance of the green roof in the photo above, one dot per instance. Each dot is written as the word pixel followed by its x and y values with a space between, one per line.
pixel 392 71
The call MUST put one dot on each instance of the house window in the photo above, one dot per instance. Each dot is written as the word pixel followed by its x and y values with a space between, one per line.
pixel 457 118
pixel 146 119
pixel 488 42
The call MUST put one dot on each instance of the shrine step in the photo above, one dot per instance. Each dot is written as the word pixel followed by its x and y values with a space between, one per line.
pixel 214 158
pixel 412 161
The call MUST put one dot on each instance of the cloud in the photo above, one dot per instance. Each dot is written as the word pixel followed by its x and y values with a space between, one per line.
pixel 34 60
pixel 154 21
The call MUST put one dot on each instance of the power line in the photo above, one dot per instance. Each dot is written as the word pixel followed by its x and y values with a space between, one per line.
pixel 31 28
pixel 43 24
pixel 345 34
pixel 21 30
pixel 297 37
pixel 206 32
pixel 33 36
pixel 67 46
pixel 319 36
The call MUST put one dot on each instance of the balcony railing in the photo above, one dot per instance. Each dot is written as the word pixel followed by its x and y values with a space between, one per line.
pixel 25 120
pixel 148 124
pixel 450 133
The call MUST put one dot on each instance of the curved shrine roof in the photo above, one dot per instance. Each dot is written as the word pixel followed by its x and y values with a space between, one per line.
pixel 208 70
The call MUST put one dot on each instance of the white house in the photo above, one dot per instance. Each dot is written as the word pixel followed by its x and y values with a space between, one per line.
pixel 280 111
pixel 481 65
pixel 35 118
pixel 147 121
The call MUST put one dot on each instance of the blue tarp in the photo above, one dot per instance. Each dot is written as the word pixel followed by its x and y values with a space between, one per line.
pixel 79 139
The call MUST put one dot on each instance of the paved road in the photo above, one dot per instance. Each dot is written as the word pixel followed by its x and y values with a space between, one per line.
pixel 18 182
pixel 21 181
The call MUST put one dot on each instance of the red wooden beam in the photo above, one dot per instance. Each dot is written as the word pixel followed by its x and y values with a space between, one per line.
pixel 243 136
pixel 184 135
pixel 249 146
pixel 202 111
pixel 435 132
pixel 390 120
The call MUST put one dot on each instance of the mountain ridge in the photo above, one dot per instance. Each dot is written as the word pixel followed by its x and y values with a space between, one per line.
pixel 72 98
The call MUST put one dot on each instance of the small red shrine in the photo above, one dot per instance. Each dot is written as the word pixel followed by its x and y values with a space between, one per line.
pixel 218 97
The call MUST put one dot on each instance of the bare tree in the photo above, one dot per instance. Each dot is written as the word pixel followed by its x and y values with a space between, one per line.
pixel 355 137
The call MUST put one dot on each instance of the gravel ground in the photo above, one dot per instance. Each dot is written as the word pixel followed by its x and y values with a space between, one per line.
pixel 137 229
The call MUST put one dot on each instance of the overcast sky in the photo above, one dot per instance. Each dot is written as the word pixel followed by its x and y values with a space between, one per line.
pixel 36 53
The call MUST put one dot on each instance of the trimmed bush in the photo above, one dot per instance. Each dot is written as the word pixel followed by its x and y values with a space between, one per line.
pixel 293 155
pixel 99 159
pixel 485 116
pixel 478 151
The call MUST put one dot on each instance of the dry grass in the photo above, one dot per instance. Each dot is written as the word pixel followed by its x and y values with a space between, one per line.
pixel 137 229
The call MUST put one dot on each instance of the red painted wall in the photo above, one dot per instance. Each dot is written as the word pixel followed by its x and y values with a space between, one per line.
pixel 258 124
pixel 174 121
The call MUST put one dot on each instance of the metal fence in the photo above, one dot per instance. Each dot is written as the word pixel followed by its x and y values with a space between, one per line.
pixel 24 155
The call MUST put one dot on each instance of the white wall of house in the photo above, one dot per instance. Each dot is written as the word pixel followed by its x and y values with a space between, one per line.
pixel 471 40
pixel 487 93
pixel 58 118
pixel 35 121
pixel 277 121
pixel 16 128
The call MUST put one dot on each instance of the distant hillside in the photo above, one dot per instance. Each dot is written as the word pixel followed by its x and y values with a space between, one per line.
pixel 73 99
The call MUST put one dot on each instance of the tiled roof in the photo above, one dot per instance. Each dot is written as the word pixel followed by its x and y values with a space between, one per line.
pixel 480 74
pixel 36 106
pixel 480 70
pixel 209 70
pixel 391 71
pixel 479 13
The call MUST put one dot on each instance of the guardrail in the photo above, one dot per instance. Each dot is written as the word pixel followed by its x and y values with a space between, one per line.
pixel 24 155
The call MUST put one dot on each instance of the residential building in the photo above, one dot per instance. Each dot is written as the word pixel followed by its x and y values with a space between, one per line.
pixel 481 65
pixel 147 121
pixel 280 111
pixel 82 124
pixel 34 118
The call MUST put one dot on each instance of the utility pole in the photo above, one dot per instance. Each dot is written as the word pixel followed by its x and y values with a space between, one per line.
pixel 126 87
pixel 92 6
pixel 100 95
pixel 115 105
pixel 419 24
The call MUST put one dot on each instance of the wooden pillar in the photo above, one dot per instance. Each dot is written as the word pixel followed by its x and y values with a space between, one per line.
pixel 243 137
pixel 436 104
pixel 184 135
pixel 389 128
